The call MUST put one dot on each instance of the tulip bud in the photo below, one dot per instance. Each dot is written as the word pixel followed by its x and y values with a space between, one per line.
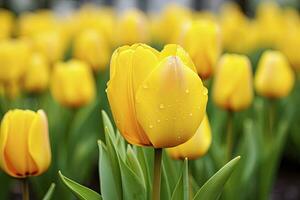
pixel 232 86
pixel 164 98
pixel 132 27
pixel 195 147
pixel 274 77
pixel 91 47
pixel 24 143
pixel 72 83
pixel 36 77
pixel 202 41
pixel 13 58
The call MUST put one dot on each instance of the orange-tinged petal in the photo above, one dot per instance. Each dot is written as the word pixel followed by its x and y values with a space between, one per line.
pixel 171 103
pixel 195 147
pixel 38 142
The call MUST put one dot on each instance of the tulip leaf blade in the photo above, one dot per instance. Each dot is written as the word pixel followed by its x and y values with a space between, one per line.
pixel 165 185
pixel 80 191
pixel 181 191
pixel 132 185
pixel 212 189
pixel 110 186
pixel 108 125
pixel 50 191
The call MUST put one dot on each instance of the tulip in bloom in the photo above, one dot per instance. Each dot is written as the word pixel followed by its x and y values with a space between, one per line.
pixel 274 77
pixel 202 41
pixel 36 77
pixel 157 98
pixel 92 47
pixel 24 143
pixel 13 58
pixel 195 147
pixel 233 85
pixel 132 27
pixel 72 83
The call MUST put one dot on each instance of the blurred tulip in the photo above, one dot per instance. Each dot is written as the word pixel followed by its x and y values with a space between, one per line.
pixel 233 85
pixel 6 24
pixel 14 55
pixel 36 77
pixel 24 143
pixel 50 43
pixel 91 47
pixel 132 27
pixel 274 77
pixel 202 41
pixel 195 147
pixel 164 98
pixel 72 83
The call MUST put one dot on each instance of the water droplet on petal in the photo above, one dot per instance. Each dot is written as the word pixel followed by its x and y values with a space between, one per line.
pixel 145 86
pixel 204 91
pixel 161 106
pixel 187 91
pixel 150 126
pixel 191 114
pixel 158 121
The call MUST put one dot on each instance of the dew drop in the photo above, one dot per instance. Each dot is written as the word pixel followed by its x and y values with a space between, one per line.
pixel 191 114
pixel 187 91
pixel 106 90
pixel 145 86
pixel 158 121
pixel 204 91
pixel 150 126
pixel 161 106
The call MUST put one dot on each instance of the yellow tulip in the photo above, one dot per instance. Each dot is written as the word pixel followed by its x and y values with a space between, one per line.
pixel 233 85
pixel 132 27
pixel 72 83
pixel 157 98
pixel 24 143
pixel 14 55
pixel 51 43
pixel 274 77
pixel 195 147
pixel 202 41
pixel 36 77
pixel 91 47
pixel 6 24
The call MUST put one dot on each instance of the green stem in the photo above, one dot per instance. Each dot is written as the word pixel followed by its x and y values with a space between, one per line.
pixel 271 118
pixel 157 174
pixel 229 136
pixel 25 189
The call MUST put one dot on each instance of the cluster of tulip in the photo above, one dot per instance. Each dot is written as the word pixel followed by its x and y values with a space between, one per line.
pixel 179 96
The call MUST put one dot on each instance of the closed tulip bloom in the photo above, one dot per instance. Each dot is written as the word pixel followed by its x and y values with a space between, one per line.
pixel 233 85
pixel 195 147
pixel 72 83
pixel 36 77
pixel 202 41
pixel 132 27
pixel 157 98
pixel 24 143
pixel 13 58
pixel 92 47
pixel 274 77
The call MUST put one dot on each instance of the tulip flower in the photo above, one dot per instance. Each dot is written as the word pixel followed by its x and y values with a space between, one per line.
pixel 24 143
pixel 132 27
pixel 274 77
pixel 13 58
pixel 91 47
pixel 72 83
pixel 36 77
pixel 232 86
pixel 195 147
pixel 6 23
pixel 202 41
pixel 157 98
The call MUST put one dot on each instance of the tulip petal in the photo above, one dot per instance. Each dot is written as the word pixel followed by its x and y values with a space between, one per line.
pixel 38 142
pixel 176 50
pixel 129 68
pixel 172 105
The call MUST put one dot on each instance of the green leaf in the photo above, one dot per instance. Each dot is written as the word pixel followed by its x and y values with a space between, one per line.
pixel 133 186
pixel 165 186
pixel 108 125
pixel 49 193
pixel 110 184
pixel 181 191
pixel 212 189
pixel 134 164
pixel 81 192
